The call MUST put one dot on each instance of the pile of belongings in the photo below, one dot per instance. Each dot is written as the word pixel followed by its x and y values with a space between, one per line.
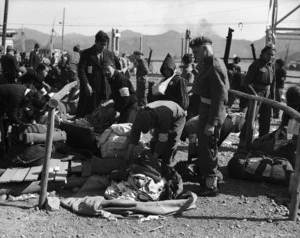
pixel 271 159
pixel 142 183
pixel 28 144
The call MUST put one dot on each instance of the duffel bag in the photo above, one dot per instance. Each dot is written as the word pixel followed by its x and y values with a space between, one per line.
pixel 22 155
pixel 260 168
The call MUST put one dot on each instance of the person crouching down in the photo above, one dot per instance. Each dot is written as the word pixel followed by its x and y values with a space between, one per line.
pixel 122 93
pixel 167 119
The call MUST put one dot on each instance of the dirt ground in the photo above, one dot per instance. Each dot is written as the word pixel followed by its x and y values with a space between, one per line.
pixel 242 209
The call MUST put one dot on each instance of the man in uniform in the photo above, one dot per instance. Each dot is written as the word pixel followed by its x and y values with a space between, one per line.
pixel 122 92
pixel 93 88
pixel 259 81
pixel 141 78
pixel 10 66
pixel 34 57
pixel 167 119
pixel 212 84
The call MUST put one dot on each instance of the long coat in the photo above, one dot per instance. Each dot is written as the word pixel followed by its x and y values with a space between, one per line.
pixel 10 68
pixel 90 71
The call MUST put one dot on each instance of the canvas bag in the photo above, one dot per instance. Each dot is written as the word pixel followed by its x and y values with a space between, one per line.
pixel 257 167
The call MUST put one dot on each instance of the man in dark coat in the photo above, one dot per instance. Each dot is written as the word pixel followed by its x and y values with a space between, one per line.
pixel 10 66
pixel 260 81
pixel 122 92
pixel 142 71
pixel 93 87
pixel 167 119
pixel 212 85
pixel 34 57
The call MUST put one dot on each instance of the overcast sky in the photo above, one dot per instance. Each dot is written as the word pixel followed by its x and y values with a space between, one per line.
pixel 247 17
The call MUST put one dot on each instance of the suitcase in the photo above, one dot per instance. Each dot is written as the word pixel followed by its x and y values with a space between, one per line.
pixel 79 136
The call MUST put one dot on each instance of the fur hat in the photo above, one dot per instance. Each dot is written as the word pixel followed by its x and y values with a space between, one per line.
pixel 137 52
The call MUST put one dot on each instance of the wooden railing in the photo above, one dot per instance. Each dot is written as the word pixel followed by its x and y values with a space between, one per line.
pixel 53 103
pixel 295 115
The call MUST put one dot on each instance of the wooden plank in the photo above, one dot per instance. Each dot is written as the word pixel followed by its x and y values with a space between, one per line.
pixel 61 175
pixel 20 175
pixel 7 175
pixel 33 173
pixel 54 163
pixel 76 167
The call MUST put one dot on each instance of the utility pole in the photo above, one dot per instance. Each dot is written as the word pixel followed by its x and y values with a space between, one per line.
pixel 62 37
pixel 23 39
pixel 4 23
pixel 141 43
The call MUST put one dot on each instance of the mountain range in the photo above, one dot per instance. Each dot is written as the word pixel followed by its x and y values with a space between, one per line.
pixel 162 44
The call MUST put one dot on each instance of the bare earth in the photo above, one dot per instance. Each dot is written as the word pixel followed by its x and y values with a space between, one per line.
pixel 242 209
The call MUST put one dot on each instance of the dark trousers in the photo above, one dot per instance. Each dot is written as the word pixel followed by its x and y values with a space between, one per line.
pixel 168 156
pixel 207 149
pixel 141 90
pixel 278 95
pixel 263 112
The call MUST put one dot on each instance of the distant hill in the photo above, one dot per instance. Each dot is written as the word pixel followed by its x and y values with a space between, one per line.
pixel 168 42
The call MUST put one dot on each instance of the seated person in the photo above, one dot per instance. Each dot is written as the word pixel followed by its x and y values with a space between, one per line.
pixel 293 100
pixel 122 93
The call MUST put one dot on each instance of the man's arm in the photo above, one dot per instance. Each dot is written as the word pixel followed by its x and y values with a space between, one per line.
pixel 249 79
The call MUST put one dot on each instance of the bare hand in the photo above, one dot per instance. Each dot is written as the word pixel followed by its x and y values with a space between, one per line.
pixel 209 130
pixel 88 90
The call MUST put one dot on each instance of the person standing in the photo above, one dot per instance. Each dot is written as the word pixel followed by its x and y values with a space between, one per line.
pixel 10 66
pixel 93 88
pixel 122 93
pixel 188 75
pixel 260 81
pixel 34 57
pixel 212 87
pixel 141 78
pixel 280 77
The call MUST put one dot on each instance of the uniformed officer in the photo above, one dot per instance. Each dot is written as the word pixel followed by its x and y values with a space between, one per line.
pixel 260 81
pixel 212 84
pixel 167 119
pixel 122 92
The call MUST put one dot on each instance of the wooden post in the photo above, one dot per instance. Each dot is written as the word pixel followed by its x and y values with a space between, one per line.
pixel 4 27
pixel 53 103
pixel 251 123
pixel 296 182
pixel 45 171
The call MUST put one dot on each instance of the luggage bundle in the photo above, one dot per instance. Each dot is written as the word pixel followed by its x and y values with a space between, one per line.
pixel 28 144
pixel 114 141
pixel 271 159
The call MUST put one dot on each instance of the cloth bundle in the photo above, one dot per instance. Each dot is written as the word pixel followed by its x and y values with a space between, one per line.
pixel 114 140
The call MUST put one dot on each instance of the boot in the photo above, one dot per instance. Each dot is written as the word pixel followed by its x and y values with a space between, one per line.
pixel 210 188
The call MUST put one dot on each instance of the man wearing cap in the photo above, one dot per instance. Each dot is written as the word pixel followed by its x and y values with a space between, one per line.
pixel 259 81
pixel 93 87
pixel 10 65
pixel 72 68
pixel 167 119
pixel 212 84
pixel 141 78
pixel 34 57
pixel 122 92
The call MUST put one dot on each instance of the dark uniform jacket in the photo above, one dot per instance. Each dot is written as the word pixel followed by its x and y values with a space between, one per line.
pixel 167 116
pixel 142 68
pixel 90 71
pixel 34 59
pixel 11 98
pixel 10 67
pixel 212 84
pixel 280 75
pixel 122 91
pixel 260 76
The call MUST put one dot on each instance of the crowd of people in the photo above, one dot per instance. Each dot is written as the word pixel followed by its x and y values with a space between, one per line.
pixel 199 89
